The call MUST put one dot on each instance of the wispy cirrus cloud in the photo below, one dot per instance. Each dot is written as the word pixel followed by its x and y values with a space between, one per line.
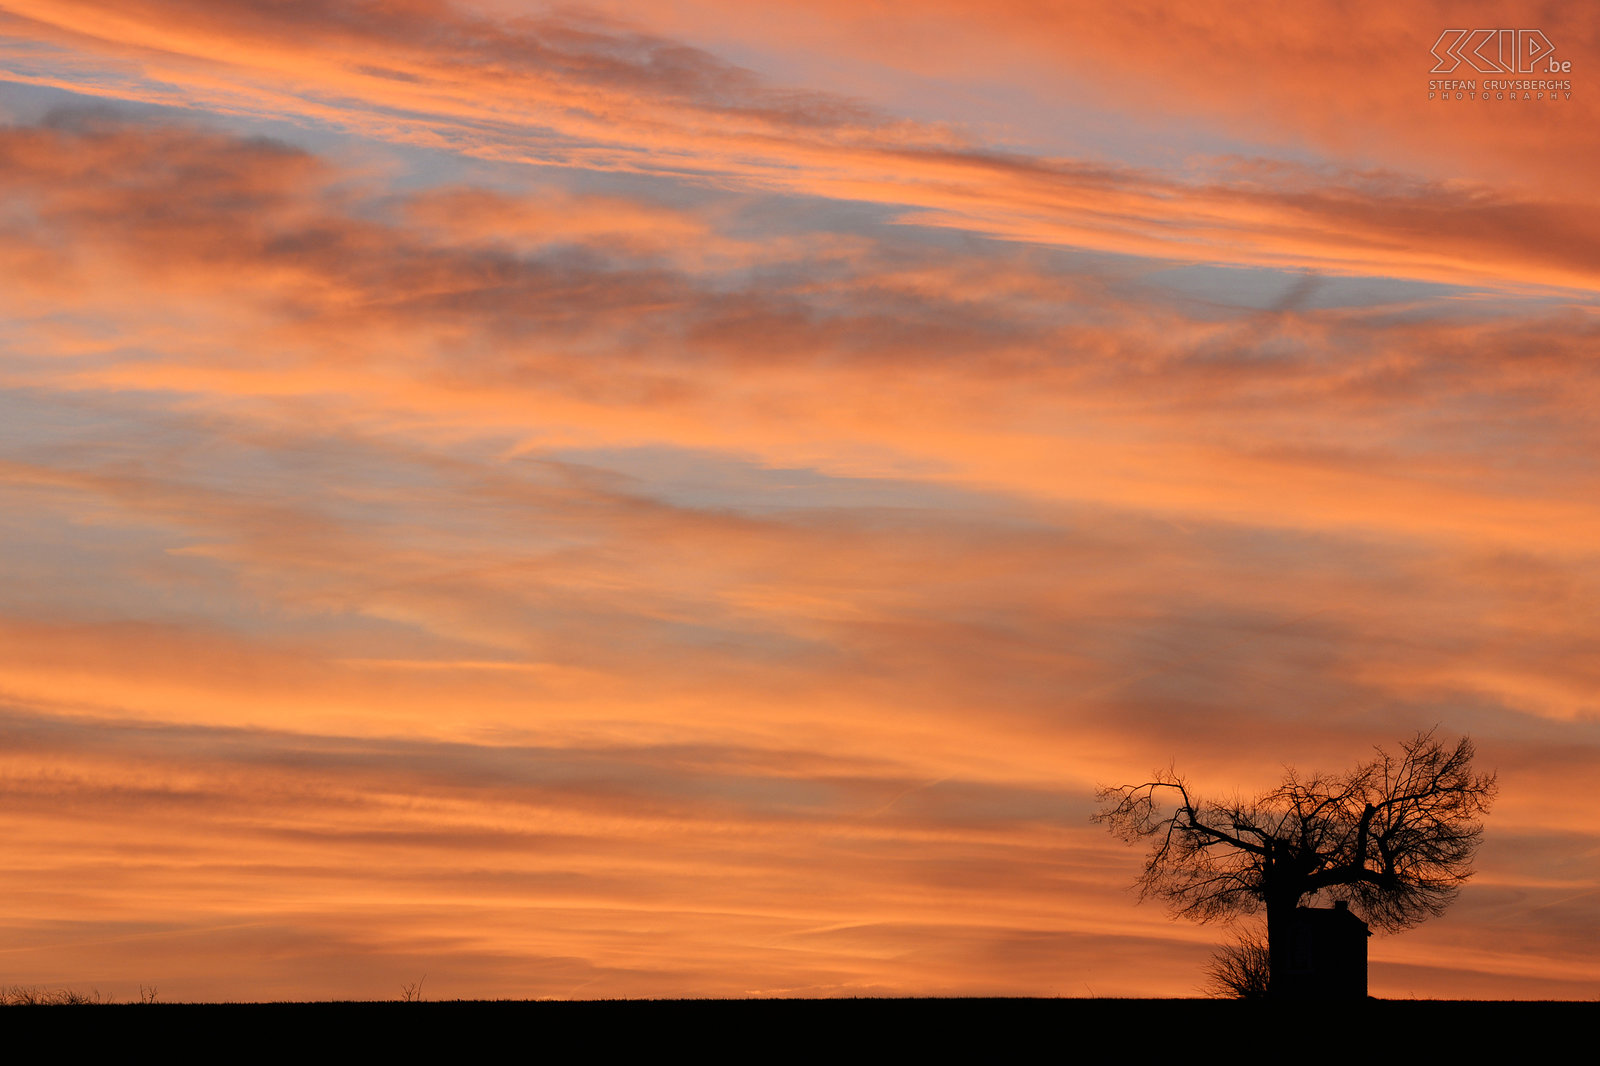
pixel 709 565
pixel 1346 82
pixel 599 96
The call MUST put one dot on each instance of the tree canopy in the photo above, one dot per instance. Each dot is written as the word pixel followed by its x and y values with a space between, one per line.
pixel 1395 837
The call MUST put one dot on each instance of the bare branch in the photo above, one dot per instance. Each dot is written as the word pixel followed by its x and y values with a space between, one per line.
pixel 1394 836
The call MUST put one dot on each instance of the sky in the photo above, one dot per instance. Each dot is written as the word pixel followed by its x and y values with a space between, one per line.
pixel 691 498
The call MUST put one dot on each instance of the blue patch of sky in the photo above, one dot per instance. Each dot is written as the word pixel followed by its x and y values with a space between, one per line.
pixel 715 481
pixel 1229 288
pixel 414 166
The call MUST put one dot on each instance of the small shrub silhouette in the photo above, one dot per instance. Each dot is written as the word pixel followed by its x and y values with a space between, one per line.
pixel 38 996
pixel 1240 969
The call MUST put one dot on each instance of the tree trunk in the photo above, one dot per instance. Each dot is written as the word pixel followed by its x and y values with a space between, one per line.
pixel 1280 941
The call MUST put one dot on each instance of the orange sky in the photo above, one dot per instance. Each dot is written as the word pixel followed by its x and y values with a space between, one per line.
pixel 690 498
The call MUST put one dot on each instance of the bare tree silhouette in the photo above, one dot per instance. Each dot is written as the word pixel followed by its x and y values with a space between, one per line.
pixel 1394 837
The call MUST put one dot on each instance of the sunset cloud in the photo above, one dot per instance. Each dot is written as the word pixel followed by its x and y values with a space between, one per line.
pixel 532 499
pixel 599 95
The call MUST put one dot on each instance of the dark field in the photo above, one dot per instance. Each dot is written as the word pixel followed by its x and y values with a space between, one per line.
pixel 997 1030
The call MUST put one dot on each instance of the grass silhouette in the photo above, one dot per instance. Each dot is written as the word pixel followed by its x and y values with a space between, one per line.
pixel 39 996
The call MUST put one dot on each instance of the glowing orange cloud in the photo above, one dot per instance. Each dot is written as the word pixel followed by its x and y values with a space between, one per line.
pixel 607 99
pixel 1348 80
pixel 709 567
